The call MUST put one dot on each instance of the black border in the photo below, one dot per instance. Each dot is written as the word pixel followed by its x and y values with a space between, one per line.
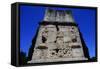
pixel 15 18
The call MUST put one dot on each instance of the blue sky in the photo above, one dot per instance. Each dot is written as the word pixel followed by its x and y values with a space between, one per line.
pixel 30 16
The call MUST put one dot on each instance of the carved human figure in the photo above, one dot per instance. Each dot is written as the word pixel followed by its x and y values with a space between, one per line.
pixel 44 35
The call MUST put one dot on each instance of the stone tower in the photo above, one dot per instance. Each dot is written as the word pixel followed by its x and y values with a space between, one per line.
pixel 58 39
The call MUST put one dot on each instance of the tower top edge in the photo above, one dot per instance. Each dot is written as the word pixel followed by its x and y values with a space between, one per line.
pixel 59 10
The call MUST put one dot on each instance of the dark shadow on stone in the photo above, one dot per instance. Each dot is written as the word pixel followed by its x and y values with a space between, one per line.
pixel 57 27
pixel 85 49
pixel 44 39
pixel 56 50
pixel 31 49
